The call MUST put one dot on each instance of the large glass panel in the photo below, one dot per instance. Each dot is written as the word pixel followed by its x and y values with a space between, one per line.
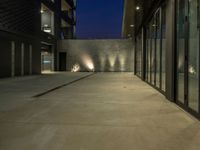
pixel 180 49
pixel 158 40
pixel 148 53
pixel 153 42
pixel 146 57
pixel 139 56
pixel 163 68
pixel 193 61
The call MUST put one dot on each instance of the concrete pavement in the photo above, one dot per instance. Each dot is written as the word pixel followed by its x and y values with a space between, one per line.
pixel 106 111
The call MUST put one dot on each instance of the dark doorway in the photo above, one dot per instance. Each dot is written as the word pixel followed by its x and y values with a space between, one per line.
pixel 47 58
pixel 62 61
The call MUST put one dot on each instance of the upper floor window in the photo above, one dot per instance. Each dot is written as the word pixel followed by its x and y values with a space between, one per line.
pixel 47 20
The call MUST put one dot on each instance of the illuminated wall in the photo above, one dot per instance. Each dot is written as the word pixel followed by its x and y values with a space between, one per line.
pixel 98 55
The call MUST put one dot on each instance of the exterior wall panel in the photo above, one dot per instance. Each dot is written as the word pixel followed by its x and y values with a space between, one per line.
pixel 105 55
pixel 18 59
pixel 5 57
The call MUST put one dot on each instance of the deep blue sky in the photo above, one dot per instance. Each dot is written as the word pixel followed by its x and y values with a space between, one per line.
pixel 99 18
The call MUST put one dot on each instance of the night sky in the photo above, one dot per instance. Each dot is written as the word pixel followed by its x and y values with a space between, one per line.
pixel 99 19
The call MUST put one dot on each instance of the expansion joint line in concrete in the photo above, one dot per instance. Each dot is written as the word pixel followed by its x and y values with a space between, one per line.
pixel 61 86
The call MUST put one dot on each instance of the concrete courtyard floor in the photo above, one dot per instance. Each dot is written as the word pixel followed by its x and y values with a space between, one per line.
pixel 105 111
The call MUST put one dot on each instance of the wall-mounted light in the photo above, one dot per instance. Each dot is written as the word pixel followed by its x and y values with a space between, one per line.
pixel 132 25
pixel 75 68
pixel 41 11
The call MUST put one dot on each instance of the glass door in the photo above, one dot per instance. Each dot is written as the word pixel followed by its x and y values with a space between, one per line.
pixel 163 49
pixel 155 50
pixel 188 27
pixel 158 49
pixel 193 54
pixel 180 74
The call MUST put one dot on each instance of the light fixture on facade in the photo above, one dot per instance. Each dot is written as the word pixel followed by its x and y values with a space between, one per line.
pixel 75 68
pixel 41 11
pixel 132 25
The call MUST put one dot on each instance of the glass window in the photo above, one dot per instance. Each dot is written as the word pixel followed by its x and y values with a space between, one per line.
pixel 153 43
pixel 139 56
pixel 155 50
pixel 158 47
pixel 193 59
pixel 47 20
pixel 180 49
pixel 163 50
pixel 148 53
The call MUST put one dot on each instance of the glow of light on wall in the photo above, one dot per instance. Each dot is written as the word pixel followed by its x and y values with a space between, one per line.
pixel 87 61
pixel 102 59
pixel 122 60
pixel 112 60
pixel 75 68
pixel 90 66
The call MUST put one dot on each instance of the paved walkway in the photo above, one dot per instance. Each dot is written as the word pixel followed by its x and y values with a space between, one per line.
pixel 106 111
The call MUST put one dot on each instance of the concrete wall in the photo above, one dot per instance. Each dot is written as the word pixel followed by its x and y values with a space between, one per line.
pixel 20 25
pixel 15 63
pixel 104 55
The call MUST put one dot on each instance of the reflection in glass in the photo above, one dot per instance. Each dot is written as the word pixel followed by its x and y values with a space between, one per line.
pixel 193 70
pixel 155 52
pixel 163 70
pixel 158 37
pixel 139 56
pixel 153 42
pixel 149 57
pixel 180 49
pixel 148 54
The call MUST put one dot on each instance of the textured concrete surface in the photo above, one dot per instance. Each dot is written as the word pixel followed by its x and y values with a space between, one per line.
pixel 106 55
pixel 107 111
pixel 15 92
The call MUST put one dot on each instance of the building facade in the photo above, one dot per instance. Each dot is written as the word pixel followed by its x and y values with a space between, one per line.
pixel 29 31
pixel 166 37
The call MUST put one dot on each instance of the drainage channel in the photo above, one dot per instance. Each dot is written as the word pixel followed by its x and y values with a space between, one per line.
pixel 61 86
